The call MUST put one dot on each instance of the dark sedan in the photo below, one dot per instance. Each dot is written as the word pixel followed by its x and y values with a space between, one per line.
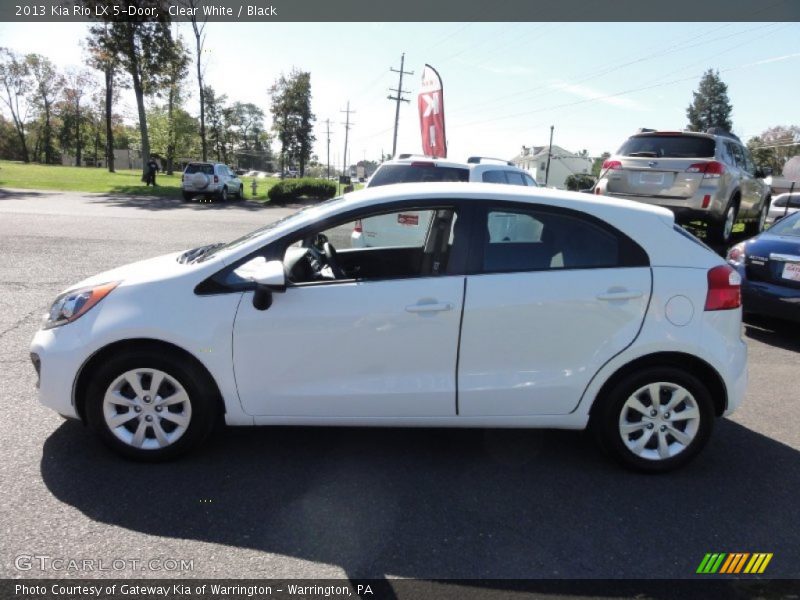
pixel 770 268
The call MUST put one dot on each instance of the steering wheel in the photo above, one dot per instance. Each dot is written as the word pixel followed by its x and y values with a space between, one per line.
pixel 333 263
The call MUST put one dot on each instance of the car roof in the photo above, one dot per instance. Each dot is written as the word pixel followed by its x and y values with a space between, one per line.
pixel 439 162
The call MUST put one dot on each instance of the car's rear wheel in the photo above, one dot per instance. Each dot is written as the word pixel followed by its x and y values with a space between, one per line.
pixel 720 232
pixel 757 226
pixel 149 407
pixel 187 197
pixel 655 420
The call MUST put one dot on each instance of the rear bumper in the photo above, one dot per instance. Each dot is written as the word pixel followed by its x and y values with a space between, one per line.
pixel 770 299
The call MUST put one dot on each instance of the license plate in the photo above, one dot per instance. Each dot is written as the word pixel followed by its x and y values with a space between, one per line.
pixel 652 178
pixel 791 271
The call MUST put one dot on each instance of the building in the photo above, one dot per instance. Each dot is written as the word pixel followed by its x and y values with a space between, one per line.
pixel 562 164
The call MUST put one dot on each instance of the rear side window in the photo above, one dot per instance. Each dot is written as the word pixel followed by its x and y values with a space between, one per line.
pixel 794 201
pixel 668 146
pixel 198 168
pixel 530 240
pixel 417 173
pixel 506 177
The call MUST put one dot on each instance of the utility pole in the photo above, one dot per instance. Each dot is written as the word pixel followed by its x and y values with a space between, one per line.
pixel 399 98
pixel 328 137
pixel 549 153
pixel 347 125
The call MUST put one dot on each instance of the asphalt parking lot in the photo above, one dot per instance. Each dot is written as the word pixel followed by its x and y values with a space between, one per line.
pixel 302 502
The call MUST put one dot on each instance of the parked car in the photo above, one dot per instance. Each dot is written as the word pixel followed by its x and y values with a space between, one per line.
pixel 599 313
pixel 783 205
pixel 214 180
pixel 769 265
pixel 708 177
pixel 377 231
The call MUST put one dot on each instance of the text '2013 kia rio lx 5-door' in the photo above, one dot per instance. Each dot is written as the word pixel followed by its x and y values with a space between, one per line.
pixel 507 307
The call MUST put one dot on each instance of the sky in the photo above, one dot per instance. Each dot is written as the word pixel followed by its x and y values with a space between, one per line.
pixel 505 84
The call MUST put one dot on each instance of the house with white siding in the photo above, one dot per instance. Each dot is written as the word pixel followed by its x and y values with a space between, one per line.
pixel 563 163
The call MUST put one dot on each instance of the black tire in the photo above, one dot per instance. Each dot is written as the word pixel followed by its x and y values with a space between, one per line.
pixel 605 419
pixel 757 226
pixel 187 197
pixel 196 382
pixel 222 195
pixel 717 233
pixel 240 196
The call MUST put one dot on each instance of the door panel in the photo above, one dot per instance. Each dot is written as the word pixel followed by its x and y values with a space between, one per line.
pixel 531 342
pixel 351 349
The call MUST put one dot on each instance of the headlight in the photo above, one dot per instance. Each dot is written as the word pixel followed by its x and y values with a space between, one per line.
pixel 71 305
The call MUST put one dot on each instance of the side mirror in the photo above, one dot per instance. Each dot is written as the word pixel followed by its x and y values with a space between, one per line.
pixel 269 277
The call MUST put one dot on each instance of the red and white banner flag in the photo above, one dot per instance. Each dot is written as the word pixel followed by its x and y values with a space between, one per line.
pixel 431 114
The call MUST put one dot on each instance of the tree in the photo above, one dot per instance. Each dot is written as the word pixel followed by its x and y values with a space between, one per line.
pixel 597 165
pixel 103 57
pixel 172 135
pixel 579 181
pixel 775 146
pixel 710 106
pixel 176 72
pixel 15 81
pixel 47 84
pixel 145 50
pixel 199 38
pixel 215 111
pixel 77 86
pixel 293 120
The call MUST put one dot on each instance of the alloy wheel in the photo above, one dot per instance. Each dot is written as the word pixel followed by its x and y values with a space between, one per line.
pixel 730 219
pixel 659 421
pixel 147 409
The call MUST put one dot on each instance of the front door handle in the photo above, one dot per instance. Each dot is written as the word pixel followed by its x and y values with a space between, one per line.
pixel 611 295
pixel 432 307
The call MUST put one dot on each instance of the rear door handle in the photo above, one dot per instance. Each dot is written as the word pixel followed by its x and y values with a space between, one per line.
pixel 433 307
pixel 619 295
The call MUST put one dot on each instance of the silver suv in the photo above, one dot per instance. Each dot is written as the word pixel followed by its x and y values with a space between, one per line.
pixel 210 180
pixel 409 168
pixel 708 177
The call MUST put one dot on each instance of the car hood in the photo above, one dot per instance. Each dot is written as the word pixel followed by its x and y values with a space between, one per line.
pixel 143 271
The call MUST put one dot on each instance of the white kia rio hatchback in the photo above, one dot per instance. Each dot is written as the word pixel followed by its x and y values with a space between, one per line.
pixel 512 307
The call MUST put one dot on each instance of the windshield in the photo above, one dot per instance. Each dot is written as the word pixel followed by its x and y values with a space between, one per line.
pixel 789 226
pixel 668 146
pixel 287 220
pixel 417 173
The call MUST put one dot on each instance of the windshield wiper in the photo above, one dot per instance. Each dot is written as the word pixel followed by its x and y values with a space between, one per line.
pixel 195 253
pixel 649 154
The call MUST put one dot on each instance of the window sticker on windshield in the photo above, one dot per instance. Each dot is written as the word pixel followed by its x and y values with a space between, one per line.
pixel 408 219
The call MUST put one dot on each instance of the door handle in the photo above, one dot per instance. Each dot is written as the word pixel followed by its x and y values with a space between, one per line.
pixel 432 307
pixel 619 295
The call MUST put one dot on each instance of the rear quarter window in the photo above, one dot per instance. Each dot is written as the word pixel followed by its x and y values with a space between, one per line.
pixel 668 146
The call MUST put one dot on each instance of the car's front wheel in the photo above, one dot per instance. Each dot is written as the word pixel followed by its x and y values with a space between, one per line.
pixel 150 407
pixel 223 194
pixel 655 420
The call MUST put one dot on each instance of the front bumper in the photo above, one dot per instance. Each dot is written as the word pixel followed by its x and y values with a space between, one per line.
pixel 60 358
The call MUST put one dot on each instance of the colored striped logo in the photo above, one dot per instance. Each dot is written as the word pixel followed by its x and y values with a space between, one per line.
pixel 734 563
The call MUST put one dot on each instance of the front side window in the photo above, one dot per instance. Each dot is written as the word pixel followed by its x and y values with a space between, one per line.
pixel 528 240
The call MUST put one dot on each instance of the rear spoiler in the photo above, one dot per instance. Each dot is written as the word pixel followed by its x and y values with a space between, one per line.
pixel 476 160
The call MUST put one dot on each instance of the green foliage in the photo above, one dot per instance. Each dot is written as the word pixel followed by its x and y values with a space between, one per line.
pixel 775 146
pixel 580 181
pixel 710 106
pixel 293 120
pixel 291 190
pixel 597 165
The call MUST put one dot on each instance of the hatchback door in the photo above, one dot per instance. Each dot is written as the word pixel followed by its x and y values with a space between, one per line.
pixel 379 342
pixel 557 294
pixel 660 166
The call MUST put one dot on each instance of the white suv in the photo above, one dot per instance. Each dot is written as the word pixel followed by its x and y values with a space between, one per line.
pixel 407 227
pixel 215 180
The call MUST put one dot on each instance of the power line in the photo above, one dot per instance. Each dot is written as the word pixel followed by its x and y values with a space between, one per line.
pixel 398 98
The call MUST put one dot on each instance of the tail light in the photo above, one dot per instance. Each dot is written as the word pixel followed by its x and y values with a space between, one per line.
pixel 611 165
pixel 216 178
pixel 724 288
pixel 597 191
pixel 736 254
pixel 357 228
pixel 710 170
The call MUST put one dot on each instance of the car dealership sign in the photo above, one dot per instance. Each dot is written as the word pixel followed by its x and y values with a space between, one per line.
pixel 431 114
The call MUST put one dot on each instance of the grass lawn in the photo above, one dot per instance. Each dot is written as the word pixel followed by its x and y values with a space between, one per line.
pixel 94 179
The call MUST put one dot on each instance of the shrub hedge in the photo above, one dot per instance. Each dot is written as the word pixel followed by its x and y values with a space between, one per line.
pixel 291 190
